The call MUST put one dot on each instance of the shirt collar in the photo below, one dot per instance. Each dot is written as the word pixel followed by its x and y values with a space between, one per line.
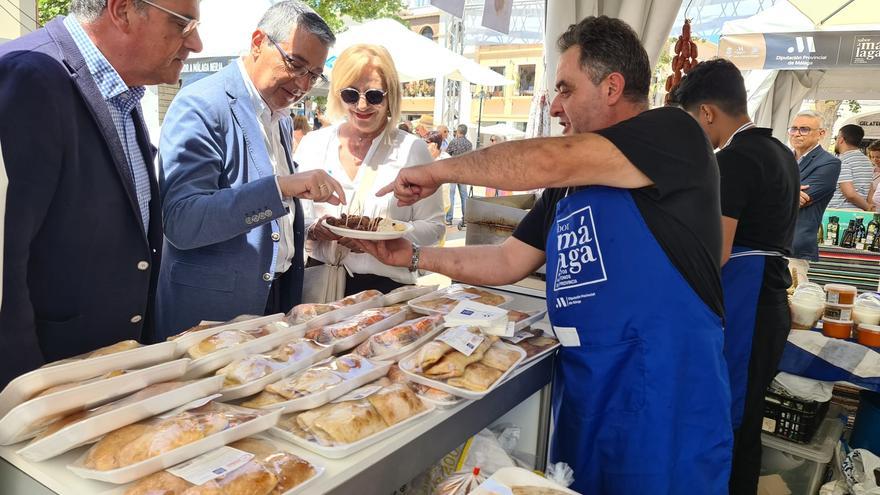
pixel 263 112
pixel 807 153
pixel 109 82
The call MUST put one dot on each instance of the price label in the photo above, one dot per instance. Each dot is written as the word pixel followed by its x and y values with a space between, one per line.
pixel 462 340
pixel 212 465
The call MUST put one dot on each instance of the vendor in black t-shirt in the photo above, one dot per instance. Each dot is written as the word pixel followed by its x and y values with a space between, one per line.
pixel 760 188
pixel 630 231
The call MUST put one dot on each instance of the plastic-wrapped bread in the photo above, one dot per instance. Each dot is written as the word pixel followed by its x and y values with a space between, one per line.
pixel 500 357
pixel 397 337
pixel 332 333
pixel 113 349
pixel 295 350
pixel 227 339
pixel 303 313
pixel 248 369
pixel 535 345
pixel 477 377
pixel 395 403
pixel 453 364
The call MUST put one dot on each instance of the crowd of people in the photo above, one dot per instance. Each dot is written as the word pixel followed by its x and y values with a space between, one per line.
pixel 666 260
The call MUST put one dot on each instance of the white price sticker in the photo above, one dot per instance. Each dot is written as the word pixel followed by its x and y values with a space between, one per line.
pixel 567 336
pixel 212 465
pixel 462 340
pixel 358 394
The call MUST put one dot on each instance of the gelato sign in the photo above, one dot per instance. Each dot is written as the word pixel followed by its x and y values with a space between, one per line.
pixel 802 51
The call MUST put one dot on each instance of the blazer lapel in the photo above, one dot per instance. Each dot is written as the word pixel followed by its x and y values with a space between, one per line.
pixel 243 111
pixel 97 106
pixel 806 164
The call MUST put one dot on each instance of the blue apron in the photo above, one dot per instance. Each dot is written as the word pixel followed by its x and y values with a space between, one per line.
pixel 642 404
pixel 742 278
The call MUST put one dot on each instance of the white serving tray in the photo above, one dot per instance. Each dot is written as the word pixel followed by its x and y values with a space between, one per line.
pixel 343 313
pixel 441 404
pixel 531 320
pixel 444 292
pixel 343 451
pixel 127 474
pixel 412 292
pixel 29 384
pixel 90 429
pixel 216 360
pixel 353 341
pixel 510 477
pixel 184 342
pixel 406 366
pixel 312 401
pixel 395 356
pixel 256 386
pixel 369 235
pixel 27 419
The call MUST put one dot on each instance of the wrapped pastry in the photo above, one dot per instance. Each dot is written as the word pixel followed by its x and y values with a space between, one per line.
pixel 350 366
pixel 395 403
pixel 477 377
pixel 161 483
pixel 398 337
pixel 113 349
pixel 500 357
pixel 265 399
pixel 358 298
pixel 225 340
pixel 535 345
pixel 295 350
pixel 308 382
pixel 454 363
pixel 333 333
pixel 147 439
pixel 306 312
pixel 455 294
pixel 514 315
pixel 67 386
pixel 248 369
pixel 204 326
pixel 348 422
pixel 289 470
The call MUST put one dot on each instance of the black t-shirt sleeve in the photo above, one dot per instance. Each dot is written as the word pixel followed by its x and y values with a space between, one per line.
pixel 534 228
pixel 738 182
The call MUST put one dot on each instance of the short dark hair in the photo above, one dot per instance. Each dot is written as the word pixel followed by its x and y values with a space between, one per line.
pixel 715 81
pixel 434 137
pixel 610 45
pixel 852 134
pixel 461 129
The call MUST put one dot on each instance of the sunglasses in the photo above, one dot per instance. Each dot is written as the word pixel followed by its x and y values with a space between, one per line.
pixel 352 96
pixel 186 29
pixel 803 130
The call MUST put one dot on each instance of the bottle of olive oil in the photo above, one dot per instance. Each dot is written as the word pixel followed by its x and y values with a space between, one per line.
pixel 832 231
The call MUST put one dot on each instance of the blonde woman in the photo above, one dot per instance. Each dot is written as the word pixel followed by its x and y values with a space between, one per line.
pixel 364 151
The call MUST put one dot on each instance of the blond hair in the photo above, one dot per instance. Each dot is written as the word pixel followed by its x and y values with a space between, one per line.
pixel 351 65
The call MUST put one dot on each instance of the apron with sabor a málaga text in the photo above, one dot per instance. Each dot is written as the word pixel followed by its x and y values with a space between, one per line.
pixel 641 396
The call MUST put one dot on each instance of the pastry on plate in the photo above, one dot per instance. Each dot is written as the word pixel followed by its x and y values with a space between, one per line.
pixel 477 377
pixel 500 357
pixel 395 403
pixel 248 369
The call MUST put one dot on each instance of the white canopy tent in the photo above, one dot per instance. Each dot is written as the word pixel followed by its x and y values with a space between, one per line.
pixel 775 96
pixel 869 121
pixel 503 130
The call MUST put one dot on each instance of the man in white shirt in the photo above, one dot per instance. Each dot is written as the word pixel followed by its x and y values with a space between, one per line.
pixel 856 171
pixel 230 192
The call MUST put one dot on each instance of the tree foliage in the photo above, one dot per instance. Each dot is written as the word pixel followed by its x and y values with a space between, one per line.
pixel 48 9
pixel 335 12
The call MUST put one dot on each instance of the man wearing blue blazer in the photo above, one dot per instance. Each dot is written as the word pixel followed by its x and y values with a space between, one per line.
pixel 230 191
pixel 82 223
pixel 819 171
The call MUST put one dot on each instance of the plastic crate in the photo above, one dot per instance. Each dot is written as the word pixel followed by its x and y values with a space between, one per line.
pixel 791 418
pixel 803 467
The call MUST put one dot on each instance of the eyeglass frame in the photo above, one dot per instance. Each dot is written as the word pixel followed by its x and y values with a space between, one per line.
pixel 799 131
pixel 191 24
pixel 290 61
pixel 363 95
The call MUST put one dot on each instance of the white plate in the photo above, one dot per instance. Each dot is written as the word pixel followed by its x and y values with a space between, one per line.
pixel 312 401
pixel 257 386
pixel 29 384
pixel 216 360
pixel 395 356
pixel 406 366
pixel 414 304
pixel 353 341
pixel 26 420
pixel 405 294
pixel 441 404
pixel 370 236
pixel 343 313
pixel 186 341
pixel 90 429
pixel 342 451
pixel 513 476
pixel 127 474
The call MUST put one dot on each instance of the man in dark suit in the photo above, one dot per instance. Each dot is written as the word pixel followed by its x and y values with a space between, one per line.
pixel 82 221
pixel 819 171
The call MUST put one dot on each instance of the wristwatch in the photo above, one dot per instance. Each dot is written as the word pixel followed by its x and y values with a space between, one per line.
pixel 414 262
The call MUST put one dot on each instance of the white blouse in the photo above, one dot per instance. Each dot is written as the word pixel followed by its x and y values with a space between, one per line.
pixel 389 152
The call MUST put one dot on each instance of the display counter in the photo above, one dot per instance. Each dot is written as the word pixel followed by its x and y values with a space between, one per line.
pixel 378 469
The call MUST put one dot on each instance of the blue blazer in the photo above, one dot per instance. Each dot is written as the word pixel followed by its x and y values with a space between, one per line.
pixel 78 272
pixel 221 206
pixel 819 169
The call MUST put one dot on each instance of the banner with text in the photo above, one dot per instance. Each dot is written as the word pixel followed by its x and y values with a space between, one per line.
pixel 802 51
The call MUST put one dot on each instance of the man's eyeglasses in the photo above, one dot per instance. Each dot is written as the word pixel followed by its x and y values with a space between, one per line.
pixel 191 24
pixel 352 96
pixel 297 69
pixel 802 130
